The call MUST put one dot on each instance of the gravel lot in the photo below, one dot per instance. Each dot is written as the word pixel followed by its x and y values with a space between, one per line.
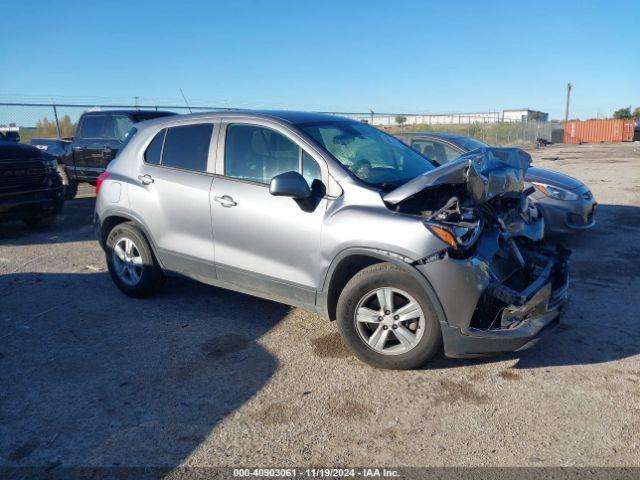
pixel 200 376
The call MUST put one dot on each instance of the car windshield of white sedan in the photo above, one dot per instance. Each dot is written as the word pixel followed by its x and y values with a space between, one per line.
pixel 371 155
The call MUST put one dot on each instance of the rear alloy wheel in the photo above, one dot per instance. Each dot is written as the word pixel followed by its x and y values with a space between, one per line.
pixel 386 317
pixel 127 261
pixel 132 265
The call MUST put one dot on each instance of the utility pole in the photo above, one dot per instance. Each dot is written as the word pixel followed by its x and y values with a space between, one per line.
pixel 566 112
pixel 371 116
pixel 55 115
pixel 136 101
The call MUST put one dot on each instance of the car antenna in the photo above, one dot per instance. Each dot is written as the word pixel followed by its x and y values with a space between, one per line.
pixel 185 101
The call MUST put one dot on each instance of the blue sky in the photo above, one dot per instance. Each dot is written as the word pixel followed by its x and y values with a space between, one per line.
pixel 400 56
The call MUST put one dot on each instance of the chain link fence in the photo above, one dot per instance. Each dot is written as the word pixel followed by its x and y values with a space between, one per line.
pixel 48 120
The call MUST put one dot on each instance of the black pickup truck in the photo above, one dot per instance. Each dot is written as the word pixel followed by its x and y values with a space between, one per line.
pixel 30 187
pixel 98 138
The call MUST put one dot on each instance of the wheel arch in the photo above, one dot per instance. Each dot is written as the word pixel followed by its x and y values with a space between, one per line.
pixel 349 262
pixel 114 218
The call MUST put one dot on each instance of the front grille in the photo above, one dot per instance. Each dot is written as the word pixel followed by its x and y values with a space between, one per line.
pixel 22 174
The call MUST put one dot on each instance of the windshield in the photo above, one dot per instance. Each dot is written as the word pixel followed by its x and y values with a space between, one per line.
pixel 370 154
pixel 469 143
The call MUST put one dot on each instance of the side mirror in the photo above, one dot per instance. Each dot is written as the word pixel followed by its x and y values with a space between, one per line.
pixel 290 184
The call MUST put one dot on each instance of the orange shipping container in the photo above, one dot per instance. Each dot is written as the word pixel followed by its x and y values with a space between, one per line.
pixel 596 131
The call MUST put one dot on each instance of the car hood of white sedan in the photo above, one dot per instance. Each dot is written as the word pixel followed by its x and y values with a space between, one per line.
pixel 555 179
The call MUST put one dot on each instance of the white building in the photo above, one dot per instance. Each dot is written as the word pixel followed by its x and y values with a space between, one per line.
pixel 523 115
pixel 390 119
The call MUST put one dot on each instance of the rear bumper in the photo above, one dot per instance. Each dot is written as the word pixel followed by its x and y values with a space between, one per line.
pixel 16 206
pixel 485 316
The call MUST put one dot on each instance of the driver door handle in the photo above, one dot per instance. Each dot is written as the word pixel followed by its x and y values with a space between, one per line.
pixel 226 201
pixel 145 179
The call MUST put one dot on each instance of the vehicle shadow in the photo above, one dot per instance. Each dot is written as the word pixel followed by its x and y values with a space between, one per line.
pixel 93 378
pixel 600 323
pixel 74 223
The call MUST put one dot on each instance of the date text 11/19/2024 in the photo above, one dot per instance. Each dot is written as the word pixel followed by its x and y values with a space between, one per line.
pixel 315 473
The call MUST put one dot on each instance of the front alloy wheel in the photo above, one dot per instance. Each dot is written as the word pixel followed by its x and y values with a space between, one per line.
pixel 389 320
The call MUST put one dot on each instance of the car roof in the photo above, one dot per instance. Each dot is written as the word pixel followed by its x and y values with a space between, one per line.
pixel 130 112
pixel 288 116
pixel 445 136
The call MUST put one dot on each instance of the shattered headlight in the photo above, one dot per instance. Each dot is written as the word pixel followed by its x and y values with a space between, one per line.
pixel 458 236
pixel 555 192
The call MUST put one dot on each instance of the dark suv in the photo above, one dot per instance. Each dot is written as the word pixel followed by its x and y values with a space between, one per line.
pixel 30 187
pixel 98 138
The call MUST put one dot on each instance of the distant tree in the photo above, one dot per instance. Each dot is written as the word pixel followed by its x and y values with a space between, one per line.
pixel 636 114
pixel 67 129
pixel 623 113
pixel 47 128
pixel 400 119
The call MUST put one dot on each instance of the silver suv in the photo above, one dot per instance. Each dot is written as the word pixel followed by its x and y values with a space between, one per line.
pixel 333 215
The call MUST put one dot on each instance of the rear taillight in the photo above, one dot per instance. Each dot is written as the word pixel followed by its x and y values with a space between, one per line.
pixel 103 176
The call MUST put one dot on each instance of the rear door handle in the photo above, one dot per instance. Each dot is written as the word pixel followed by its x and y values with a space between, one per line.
pixel 226 201
pixel 79 148
pixel 145 179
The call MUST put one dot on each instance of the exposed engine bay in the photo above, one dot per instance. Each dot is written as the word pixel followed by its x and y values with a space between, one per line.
pixel 478 206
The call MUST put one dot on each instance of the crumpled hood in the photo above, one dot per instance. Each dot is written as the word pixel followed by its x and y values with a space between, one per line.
pixel 488 172
pixel 555 179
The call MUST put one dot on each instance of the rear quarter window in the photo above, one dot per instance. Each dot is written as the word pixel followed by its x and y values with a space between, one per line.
pixel 153 153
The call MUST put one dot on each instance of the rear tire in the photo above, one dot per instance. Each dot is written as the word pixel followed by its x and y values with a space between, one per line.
pixel 131 262
pixel 403 333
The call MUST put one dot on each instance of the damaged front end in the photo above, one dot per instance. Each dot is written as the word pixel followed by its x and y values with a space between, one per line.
pixel 499 286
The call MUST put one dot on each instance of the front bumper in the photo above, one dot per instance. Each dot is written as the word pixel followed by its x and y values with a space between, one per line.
pixel 541 315
pixel 487 316
pixel 568 216
pixel 16 206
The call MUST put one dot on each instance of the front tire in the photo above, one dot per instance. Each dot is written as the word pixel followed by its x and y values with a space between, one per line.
pixel 132 265
pixel 40 220
pixel 387 319
pixel 70 185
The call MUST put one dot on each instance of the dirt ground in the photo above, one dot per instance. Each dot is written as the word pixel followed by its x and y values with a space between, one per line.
pixel 201 376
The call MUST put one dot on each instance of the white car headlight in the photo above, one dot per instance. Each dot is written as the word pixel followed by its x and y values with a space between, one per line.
pixel 555 192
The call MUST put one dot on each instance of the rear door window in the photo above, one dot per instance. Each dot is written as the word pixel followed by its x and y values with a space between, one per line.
pixel 187 147
pixel 93 126
pixel 121 125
